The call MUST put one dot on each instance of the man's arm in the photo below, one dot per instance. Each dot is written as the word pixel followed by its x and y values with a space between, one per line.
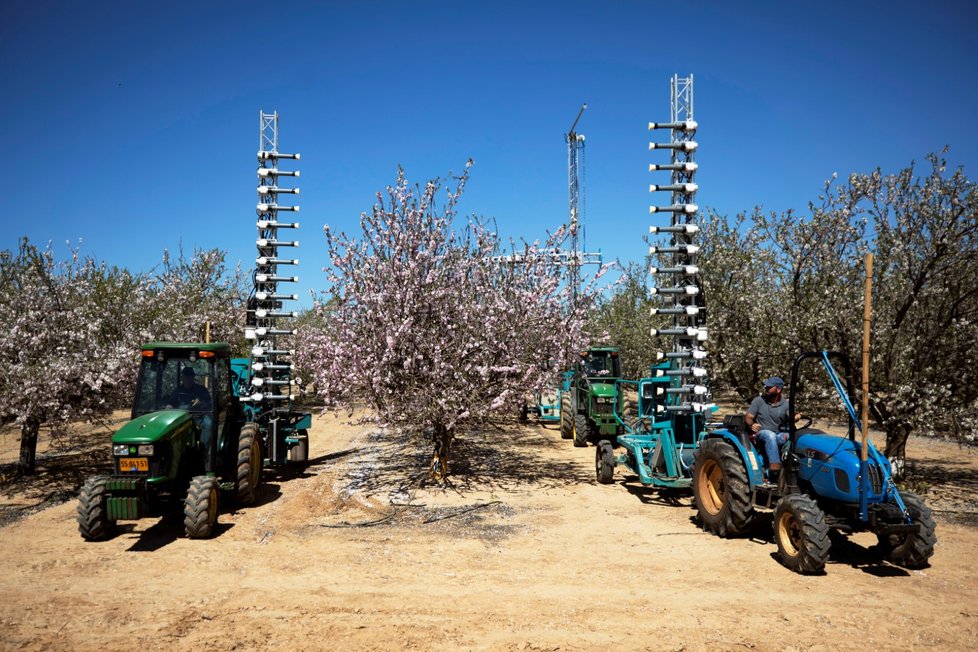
pixel 750 417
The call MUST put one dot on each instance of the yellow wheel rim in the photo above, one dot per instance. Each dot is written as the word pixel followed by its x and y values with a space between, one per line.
pixel 789 534
pixel 711 487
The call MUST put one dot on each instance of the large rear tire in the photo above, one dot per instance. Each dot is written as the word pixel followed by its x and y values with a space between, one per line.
pixel 581 430
pixel 200 508
pixel 249 465
pixel 604 462
pixel 801 534
pixel 93 519
pixel 912 550
pixel 566 416
pixel 721 491
pixel 629 413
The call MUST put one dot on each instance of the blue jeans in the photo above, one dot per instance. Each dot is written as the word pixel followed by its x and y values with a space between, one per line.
pixel 770 442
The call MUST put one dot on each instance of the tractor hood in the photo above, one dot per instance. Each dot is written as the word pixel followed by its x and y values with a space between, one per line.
pixel 831 464
pixel 602 389
pixel 152 427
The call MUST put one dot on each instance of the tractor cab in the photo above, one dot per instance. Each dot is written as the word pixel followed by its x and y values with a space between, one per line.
pixel 190 377
pixel 601 364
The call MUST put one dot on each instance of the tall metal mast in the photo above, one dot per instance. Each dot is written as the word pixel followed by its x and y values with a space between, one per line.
pixel 674 269
pixel 576 257
pixel 271 365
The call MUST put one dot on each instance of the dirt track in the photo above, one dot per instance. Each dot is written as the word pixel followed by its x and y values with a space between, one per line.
pixel 546 560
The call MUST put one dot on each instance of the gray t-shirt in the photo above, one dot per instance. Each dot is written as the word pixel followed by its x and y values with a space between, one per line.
pixel 771 417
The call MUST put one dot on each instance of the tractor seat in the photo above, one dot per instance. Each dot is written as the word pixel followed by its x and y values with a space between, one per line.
pixel 735 423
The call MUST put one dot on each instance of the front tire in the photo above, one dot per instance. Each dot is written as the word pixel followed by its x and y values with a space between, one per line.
pixel 912 550
pixel 801 534
pixel 721 491
pixel 566 416
pixel 580 430
pixel 93 519
pixel 604 462
pixel 249 464
pixel 200 508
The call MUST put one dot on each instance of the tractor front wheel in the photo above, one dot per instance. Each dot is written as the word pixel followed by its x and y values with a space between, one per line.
pixel 580 430
pixel 249 464
pixel 604 462
pixel 93 520
pixel 721 491
pixel 566 416
pixel 914 549
pixel 200 508
pixel 801 534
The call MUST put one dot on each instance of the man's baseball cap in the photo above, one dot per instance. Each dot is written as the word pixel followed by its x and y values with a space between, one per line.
pixel 773 381
pixel 188 371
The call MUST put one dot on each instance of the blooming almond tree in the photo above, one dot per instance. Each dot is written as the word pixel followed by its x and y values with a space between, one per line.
pixel 430 326
pixel 72 331
pixel 55 363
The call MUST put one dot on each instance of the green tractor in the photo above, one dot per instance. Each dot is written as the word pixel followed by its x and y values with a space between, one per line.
pixel 590 399
pixel 191 438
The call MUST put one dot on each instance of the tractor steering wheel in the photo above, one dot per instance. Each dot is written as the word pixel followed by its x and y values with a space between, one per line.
pixel 805 422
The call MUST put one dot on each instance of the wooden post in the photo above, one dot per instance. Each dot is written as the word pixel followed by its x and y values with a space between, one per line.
pixel 867 312
pixel 207 331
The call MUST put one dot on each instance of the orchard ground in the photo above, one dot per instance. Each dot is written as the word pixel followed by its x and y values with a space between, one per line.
pixel 525 551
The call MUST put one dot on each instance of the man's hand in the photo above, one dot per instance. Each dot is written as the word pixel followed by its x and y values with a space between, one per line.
pixel 755 427
pixel 798 417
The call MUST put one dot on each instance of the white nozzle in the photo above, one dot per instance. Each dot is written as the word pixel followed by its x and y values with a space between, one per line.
pixel 699 390
pixel 250 334
pixel 692 249
pixel 692 310
pixel 699 354
pixel 698 372
pixel 689 209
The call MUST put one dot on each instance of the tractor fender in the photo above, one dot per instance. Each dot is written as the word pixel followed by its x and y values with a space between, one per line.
pixel 748 454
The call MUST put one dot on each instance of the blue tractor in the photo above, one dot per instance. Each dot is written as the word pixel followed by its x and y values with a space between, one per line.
pixel 825 483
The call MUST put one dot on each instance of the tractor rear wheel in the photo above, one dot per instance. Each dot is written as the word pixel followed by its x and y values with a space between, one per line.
pixel 200 508
pixel 914 549
pixel 801 534
pixel 629 413
pixel 249 464
pixel 721 492
pixel 604 462
pixel 580 430
pixel 566 416
pixel 93 520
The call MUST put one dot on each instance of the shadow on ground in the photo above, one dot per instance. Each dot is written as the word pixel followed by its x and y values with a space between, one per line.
pixel 492 459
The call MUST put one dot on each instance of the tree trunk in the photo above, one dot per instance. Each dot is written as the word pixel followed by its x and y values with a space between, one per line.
pixel 442 439
pixel 28 447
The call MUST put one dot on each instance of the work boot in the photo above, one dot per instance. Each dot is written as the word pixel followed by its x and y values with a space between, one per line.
pixel 774 469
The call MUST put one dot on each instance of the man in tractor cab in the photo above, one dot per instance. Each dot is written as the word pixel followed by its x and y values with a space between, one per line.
pixel 767 419
pixel 194 397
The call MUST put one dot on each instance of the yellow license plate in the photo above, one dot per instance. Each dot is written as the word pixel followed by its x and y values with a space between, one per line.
pixel 133 464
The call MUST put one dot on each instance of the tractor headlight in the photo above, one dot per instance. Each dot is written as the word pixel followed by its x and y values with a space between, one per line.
pixel 605 401
pixel 120 449
pixel 146 449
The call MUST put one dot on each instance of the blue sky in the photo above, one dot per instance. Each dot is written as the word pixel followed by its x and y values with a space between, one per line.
pixel 134 125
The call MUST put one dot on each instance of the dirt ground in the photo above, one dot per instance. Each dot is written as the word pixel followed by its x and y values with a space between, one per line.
pixel 524 552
